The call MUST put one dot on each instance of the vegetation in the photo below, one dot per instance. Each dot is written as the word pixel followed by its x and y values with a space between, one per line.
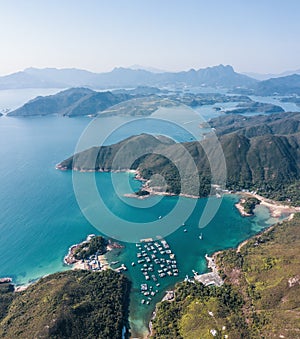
pixel 97 245
pixel 73 304
pixel 141 193
pixel 198 309
pixel 255 107
pixel 6 297
pixel 260 297
pixel 288 85
pixel 71 102
pixel 249 205
pixel 261 153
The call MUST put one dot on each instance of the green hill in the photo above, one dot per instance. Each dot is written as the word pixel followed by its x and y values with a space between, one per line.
pixel 72 304
pixel 71 102
pixel 262 153
pixel 279 124
pixel 260 297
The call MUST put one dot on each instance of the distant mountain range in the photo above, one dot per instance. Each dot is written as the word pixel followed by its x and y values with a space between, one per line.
pixel 218 76
pixel 261 76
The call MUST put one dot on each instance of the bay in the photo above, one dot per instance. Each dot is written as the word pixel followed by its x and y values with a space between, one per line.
pixel 40 217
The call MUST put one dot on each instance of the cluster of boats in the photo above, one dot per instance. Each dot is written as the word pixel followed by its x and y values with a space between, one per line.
pixel 156 261
pixel 149 292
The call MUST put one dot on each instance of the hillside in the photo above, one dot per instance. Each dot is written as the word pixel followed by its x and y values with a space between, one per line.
pixel 260 297
pixel 254 107
pixel 283 85
pixel 262 153
pixel 140 101
pixel 287 85
pixel 71 102
pixel 72 304
pixel 280 124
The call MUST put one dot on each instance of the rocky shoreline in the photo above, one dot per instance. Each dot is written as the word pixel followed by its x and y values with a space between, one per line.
pixel 95 262
pixel 276 209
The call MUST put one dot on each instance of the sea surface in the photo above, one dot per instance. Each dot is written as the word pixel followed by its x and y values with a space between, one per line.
pixel 40 216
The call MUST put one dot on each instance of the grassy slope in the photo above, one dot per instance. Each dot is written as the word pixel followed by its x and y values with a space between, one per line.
pixel 262 271
pixel 259 302
pixel 73 304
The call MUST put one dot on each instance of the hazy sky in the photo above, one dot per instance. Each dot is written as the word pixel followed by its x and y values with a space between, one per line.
pixel 254 35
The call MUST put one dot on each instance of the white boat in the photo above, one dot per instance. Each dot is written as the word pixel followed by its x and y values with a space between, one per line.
pixel 201 236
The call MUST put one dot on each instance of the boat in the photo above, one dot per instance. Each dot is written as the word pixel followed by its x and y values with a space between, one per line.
pixel 132 264
pixel 159 217
pixel 185 230
pixel 200 236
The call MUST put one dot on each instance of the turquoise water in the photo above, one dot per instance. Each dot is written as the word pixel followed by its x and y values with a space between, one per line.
pixel 40 217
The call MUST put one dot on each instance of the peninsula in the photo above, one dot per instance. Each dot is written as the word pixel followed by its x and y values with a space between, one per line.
pixel 261 154
pixel 259 297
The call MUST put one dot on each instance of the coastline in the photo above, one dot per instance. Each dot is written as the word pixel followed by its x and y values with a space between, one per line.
pixel 95 262
pixel 276 209
pixel 137 176
pixel 241 208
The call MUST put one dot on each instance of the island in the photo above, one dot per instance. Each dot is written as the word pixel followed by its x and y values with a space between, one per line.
pixel 294 99
pixel 141 101
pixel 254 107
pixel 247 205
pixel 90 254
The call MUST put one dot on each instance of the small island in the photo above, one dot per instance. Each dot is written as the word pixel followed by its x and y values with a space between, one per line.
pixel 90 253
pixel 247 205
pixel 255 107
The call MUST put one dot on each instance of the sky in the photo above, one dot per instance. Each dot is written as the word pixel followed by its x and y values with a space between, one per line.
pixel 97 35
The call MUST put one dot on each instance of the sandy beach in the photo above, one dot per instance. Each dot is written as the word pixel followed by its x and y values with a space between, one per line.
pixel 276 209
pixel 241 209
